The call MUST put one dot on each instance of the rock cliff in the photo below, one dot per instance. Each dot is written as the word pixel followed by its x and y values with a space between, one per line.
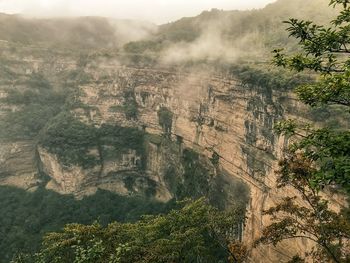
pixel 205 133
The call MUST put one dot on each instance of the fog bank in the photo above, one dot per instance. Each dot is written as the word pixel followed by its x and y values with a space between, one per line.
pixel 157 11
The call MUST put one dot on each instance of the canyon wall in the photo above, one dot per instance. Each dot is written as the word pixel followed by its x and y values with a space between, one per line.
pixel 227 124
pixel 217 115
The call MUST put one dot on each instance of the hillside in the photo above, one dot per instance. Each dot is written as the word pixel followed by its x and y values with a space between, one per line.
pixel 214 34
pixel 73 33
pixel 230 35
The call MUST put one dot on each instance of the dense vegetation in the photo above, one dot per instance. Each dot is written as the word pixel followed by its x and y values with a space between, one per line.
pixel 267 77
pixel 249 33
pixel 27 216
pixel 318 158
pixel 130 105
pixel 193 232
pixel 200 177
pixel 37 101
pixel 83 33
pixel 165 117
pixel 71 140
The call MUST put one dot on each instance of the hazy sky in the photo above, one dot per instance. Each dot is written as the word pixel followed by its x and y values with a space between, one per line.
pixel 158 11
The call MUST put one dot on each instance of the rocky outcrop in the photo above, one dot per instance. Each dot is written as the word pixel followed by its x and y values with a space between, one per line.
pixel 226 123
pixel 18 164
pixel 119 174
pixel 215 115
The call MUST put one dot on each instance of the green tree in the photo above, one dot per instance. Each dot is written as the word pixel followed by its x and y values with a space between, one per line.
pixel 196 232
pixel 325 51
pixel 317 158
pixel 310 218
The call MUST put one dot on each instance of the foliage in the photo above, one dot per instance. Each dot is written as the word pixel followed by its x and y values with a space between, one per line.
pixel 78 76
pixel 142 46
pixel 268 78
pixel 130 106
pixel 183 30
pixel 312 219
pixel 215 159
pixel 325 51
pixel 244 34
pixel 121 138
pixel 80 34
pixel 319 158
pixel 7 75
pixel 193 232
pixel 326 150
pixel 196 176
pixel 165 119
pixel 238 252
pixel 130 110
pixel 37 103
pixel 189 174
pixel 27 216
pixel 71 140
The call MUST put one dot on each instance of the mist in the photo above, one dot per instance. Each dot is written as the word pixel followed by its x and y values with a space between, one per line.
pixel 156 11
pixel 210 46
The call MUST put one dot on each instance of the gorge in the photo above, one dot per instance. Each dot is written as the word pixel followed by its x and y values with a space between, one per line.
pixel 96 124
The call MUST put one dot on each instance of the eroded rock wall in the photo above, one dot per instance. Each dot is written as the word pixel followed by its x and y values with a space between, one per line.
pixel 215 115
pixel 230 124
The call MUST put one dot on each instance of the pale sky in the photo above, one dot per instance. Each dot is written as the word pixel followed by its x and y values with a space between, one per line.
pixel 157 11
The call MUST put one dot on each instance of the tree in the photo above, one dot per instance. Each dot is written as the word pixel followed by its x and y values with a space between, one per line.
pixel 311 219
pixel 325 51
pixel 317 158
pixel 196 232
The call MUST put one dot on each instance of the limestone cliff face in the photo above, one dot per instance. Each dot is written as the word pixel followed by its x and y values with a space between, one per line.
pixel 18 165
pixel 230 125
pixel 119 174
pixel 214 115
